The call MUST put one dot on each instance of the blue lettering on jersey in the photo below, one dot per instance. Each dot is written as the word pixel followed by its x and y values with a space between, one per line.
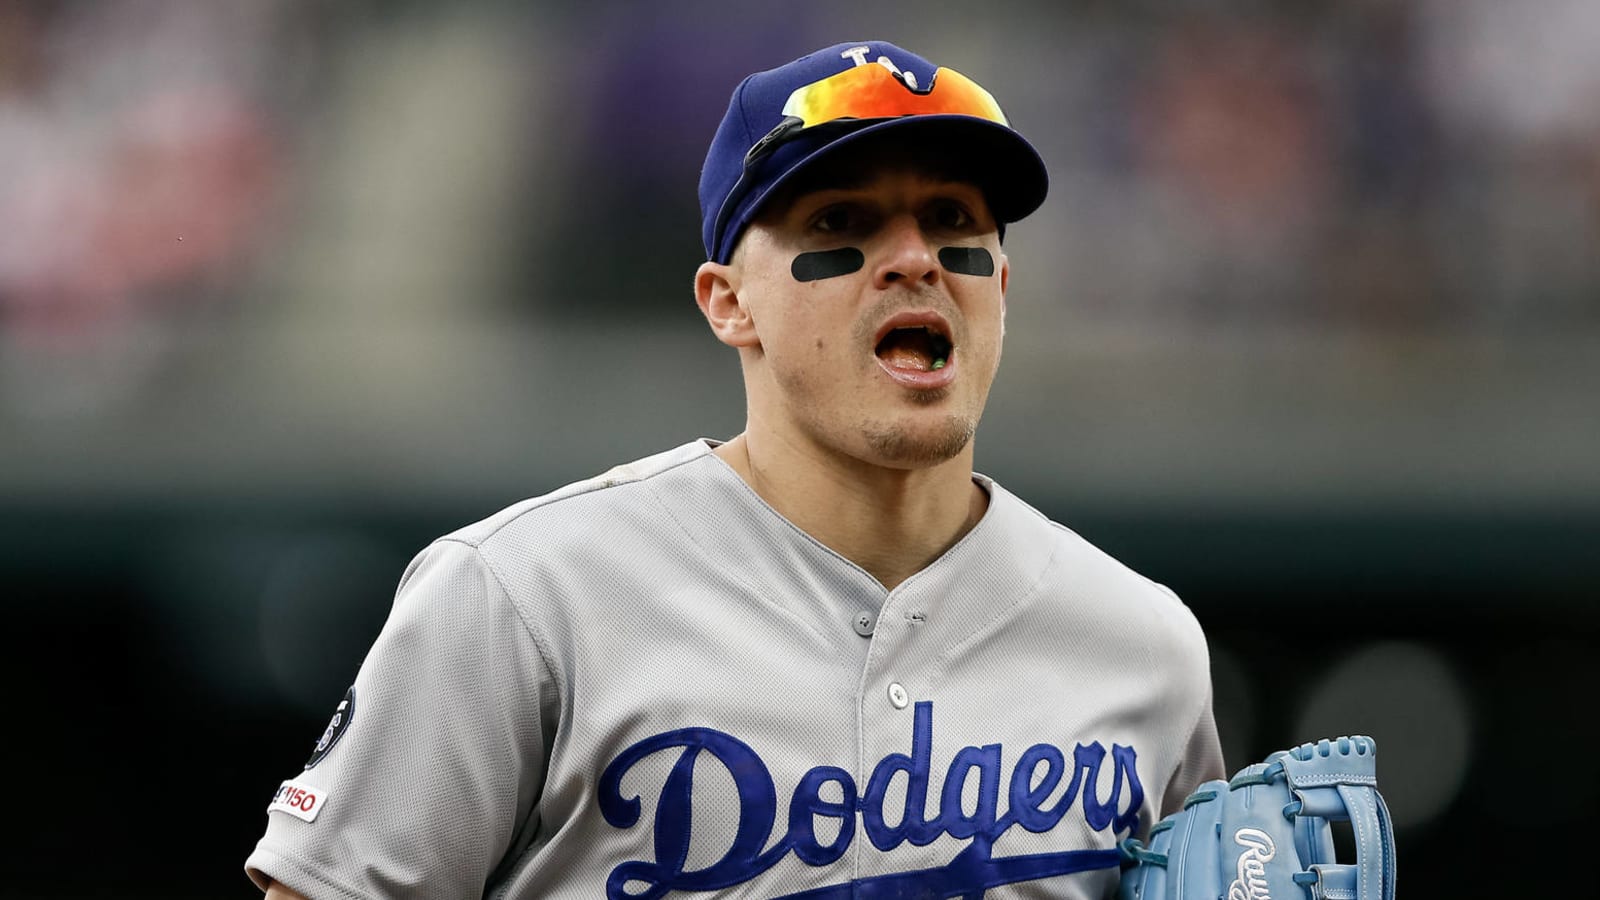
pixel 972 870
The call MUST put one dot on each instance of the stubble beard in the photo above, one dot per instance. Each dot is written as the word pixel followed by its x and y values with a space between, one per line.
pixel 910 445
pixel 922 444
pixel 940 442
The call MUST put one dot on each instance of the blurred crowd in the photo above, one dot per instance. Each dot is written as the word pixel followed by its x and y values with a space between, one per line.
pixel 140 160
pixel 1379 164
pixel 1385 166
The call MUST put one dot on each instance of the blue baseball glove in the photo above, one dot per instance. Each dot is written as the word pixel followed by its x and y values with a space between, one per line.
pixel 1265 834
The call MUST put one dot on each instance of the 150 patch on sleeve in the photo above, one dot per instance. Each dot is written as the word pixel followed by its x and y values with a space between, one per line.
pixel 299 800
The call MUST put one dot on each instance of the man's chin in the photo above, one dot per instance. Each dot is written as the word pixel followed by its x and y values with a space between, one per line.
pixel 923 444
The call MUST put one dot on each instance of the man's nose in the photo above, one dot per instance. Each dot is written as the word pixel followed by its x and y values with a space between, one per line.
pixel 905 257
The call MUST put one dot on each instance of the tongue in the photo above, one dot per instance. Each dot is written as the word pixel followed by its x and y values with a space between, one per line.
pixel 907 350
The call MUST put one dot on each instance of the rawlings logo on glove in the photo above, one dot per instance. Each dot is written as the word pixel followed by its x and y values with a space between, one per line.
pixel 1277 814
pixel 1258 851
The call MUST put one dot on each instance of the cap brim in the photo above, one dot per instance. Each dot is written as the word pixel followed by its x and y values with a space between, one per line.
pixel 1001 162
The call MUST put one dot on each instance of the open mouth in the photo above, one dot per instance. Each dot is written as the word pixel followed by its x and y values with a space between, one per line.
pixel 919 348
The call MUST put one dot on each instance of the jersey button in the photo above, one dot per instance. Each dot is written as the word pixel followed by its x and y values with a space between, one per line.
pixel 898 695
pixel 864 624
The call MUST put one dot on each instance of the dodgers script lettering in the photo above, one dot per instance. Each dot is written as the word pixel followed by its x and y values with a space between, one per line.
pixel 1038 772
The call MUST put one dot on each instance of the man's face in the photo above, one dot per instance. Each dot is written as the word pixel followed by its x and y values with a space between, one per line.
pixel 876 306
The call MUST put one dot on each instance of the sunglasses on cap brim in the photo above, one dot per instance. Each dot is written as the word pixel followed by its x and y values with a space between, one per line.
pixel 876 92
pixel 860 93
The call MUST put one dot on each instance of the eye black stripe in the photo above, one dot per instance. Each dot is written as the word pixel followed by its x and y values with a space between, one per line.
pixel 819 264
pixel 967 261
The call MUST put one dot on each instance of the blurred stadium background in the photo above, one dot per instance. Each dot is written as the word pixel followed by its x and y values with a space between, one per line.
pixel 1308 330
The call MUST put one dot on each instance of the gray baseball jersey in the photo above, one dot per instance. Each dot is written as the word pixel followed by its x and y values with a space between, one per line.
pixel 651 684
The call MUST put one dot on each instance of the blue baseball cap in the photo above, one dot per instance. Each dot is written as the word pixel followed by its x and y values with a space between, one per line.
pixel 765 138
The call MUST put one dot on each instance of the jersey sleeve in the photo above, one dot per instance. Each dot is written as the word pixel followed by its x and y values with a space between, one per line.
pixel 1201 761
pixel 432 781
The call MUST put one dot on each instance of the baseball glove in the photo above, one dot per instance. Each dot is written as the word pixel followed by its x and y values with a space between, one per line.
pixel 1265 834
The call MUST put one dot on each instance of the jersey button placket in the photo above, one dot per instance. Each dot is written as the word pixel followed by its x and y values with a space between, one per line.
pixel 887 633
pixel 898 696
pixel 864 623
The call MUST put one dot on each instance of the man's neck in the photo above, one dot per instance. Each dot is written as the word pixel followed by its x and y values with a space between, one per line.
pixel 891 522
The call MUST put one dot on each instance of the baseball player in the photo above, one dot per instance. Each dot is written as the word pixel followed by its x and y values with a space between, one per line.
pixel 823 659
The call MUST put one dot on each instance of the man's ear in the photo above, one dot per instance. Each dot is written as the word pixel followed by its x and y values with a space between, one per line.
pixel 1005 282
pixel 716 291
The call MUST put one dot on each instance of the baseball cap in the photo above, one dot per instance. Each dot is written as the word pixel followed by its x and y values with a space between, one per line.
pixel 784 120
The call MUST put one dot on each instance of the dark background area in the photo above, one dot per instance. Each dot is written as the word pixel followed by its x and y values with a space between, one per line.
pixel 1308 329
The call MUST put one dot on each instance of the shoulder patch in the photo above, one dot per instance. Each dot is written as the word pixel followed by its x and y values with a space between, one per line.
pixel 337 726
